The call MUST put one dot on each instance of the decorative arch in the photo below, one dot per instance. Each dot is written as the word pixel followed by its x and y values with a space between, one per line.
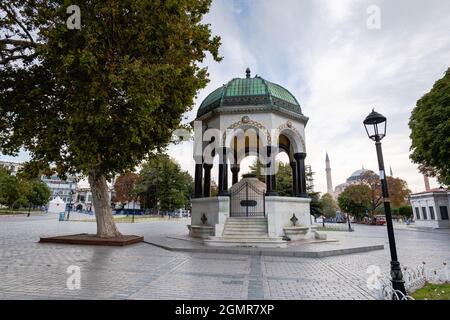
pixel 296 139
pixel 246 122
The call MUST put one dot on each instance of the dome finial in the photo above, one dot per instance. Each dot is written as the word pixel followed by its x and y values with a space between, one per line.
pixel 247 72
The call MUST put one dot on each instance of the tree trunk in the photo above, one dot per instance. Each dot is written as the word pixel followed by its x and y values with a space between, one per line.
pixel 106 227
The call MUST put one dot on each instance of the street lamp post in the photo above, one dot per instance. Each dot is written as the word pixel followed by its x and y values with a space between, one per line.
pixel 70 204
pixel 375 125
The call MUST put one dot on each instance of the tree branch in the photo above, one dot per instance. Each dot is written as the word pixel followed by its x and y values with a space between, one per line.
pixel 5 60
pixel 12 14
pixel 16 42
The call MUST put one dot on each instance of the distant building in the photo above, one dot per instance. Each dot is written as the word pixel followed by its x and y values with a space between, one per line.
pixel 12 167
pixel 83 200
pixel 68 190
pixel 328 172
pixel 431 208
pixel 355 178
pixel 65 189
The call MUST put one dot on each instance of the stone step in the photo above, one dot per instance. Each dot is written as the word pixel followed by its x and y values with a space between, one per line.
pixel 246 218
pixel 262 222
pixel 245 230
pixel 241 230
pixel 245 236
pixel 265 242
pixel 246 227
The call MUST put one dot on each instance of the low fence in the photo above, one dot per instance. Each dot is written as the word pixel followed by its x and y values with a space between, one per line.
pixel 415 278
pixel 332 226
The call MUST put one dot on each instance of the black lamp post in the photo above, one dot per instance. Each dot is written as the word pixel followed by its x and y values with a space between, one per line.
pixel 375 125
pixel 70 204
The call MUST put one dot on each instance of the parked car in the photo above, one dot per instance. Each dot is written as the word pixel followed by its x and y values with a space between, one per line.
pixel 379 220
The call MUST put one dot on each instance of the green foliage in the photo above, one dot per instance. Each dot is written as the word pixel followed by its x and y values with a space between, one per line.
pixel 104 96
pixel 17 192
pixel 13 191
pixel 284 180
pixel 257 168
pixel 433 292
pixel 284 183
pixel 164 185
pixel 98 100
pixel 405 211
pixel 315 204
pixel 430 131
pixel 39 193
pixel 329 205
pixel 355 199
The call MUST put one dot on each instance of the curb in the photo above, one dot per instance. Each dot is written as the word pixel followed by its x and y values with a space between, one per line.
pixel 269 252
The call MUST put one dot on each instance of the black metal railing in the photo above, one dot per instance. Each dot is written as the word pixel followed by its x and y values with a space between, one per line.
pixel 247 201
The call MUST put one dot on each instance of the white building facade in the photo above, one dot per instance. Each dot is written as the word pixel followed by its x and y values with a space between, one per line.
pixel 431 208
pixel 65 189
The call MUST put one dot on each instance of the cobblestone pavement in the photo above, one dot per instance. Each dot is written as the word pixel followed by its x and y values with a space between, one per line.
pixel 29 270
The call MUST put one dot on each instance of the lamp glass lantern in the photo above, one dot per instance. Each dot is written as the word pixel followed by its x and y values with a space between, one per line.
pixel 375 124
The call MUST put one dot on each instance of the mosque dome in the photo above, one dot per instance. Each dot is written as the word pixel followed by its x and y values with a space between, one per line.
pixel 357 175
pixel 250 91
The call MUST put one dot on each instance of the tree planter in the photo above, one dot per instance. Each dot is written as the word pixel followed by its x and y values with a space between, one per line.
pixel 296 233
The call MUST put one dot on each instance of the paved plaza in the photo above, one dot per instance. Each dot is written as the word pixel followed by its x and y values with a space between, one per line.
pixel 29 270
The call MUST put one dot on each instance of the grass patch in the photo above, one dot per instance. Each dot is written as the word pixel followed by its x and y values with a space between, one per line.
pixel 18 212
pixel 433 292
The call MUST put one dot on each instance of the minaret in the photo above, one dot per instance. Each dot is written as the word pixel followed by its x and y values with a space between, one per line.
pixel 391 174
pixel 427 182
pixel 328 171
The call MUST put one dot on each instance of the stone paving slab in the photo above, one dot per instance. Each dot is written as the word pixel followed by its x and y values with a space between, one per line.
pixel 30 270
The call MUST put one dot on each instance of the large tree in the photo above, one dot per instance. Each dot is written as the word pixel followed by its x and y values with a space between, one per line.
pixel 398 190
pixel 284 179
pixel 355 199
pixel 13 190
pixel 125 187
pixel 164 185
pixel 97 100
pixel 430 131
pixel 329 205
pixel 315 205
pixel 39 193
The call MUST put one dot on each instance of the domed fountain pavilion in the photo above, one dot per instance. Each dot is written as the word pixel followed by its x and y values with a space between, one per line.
pixel 249 116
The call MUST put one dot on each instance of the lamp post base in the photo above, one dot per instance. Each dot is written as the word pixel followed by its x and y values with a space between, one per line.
pixel 398 283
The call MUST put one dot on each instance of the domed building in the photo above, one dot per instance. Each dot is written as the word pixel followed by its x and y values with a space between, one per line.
pixel 355 178
pixel 248 116
pixel 256 93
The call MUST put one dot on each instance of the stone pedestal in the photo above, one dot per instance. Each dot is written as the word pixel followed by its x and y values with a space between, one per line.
pixel 279 211
pixel 216 210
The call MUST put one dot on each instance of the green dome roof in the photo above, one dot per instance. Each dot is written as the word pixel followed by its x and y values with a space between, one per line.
pixel 249 92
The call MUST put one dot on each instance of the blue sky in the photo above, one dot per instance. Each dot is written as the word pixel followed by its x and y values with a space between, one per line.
pixel 338 69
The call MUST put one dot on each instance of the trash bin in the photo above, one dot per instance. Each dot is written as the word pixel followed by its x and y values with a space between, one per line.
pixel 61 216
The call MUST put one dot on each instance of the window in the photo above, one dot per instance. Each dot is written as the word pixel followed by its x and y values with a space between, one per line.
pixel 417 213
pixel 444 212
pixel 431 213
pixel 424 213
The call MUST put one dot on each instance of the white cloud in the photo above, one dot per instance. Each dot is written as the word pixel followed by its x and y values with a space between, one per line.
pixel 338 69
